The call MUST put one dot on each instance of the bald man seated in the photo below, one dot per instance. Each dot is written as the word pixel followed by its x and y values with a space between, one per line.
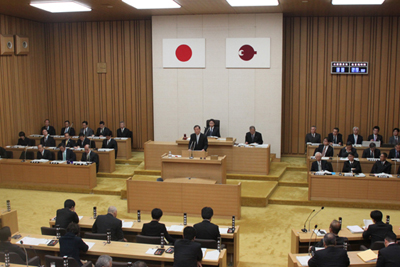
pixel 109 221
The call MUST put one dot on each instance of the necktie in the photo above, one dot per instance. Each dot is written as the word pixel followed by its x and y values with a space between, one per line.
pixel 88 157
pixel 383 162
pixel 48 128
pixel 355 139
pixel 319 166
pixel 102 130
pixel 84 132
pixel 211 130
pixel 372 154
pixel 335 140
pixel 324 152
pixel 66 130
pixel 64 155
pixel 313 135
pixel 122 130
pixel 252 137
pixel 374 137
pixel 108 141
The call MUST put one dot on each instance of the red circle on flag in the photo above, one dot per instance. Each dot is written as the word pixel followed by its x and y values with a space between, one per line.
pixel 246 52
pixel 183 53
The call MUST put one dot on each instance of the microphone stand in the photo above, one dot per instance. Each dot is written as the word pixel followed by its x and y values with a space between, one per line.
pixel 26 149
pixel 304 230
pixel 337 163
pixel 26 254
pixel 205 133
pixel 309 243
pixel 191 149
pixel 309 222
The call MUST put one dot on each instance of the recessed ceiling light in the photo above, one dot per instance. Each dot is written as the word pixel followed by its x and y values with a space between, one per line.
pixel 152 4
pixel 61 7
pixel 357 2
pixel 253 2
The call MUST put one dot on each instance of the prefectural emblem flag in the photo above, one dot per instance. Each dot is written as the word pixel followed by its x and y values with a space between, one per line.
pixel 184 53
pixel 252 53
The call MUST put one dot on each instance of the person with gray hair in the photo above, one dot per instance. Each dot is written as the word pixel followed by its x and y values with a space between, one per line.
pixel 321 165
pixel 122 131
pixel 104 261
pixel 331 255
pixel 139 264
pixel 109 221
pixel 355 138
pixel 313 136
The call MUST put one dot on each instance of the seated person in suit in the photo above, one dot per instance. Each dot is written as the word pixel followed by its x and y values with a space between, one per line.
pixel 382 166
pixel 313 137
pixel 23 141
pixel 65 154
pixel 91 156
pixel 211 129
pixel 352 165
pixel 187 252
pixel 393 140
pixel 335 137
pixel 102 130
pixel 253 137
pixel 43 153
pixel 50 129
pixel 86 131
pixel 67 129
pixel 104 261
pixel 122 131
pixel 206 229
pixel 331 255
pixel 375 136
pixel 355 138
pixel 68 142
pixel 109 221
pixel 371 152
pixel 334 228
pixel 155 228
pixel 321 165
pixel 390 255
pixel 378 230
pixel 47 140
pixel 71 244
pixel 348 149
pixel 67 215
pixel 198 141
pixel 395 152
pixel 6 245
pixel 82 141
pixel 110 143
pixel 325 149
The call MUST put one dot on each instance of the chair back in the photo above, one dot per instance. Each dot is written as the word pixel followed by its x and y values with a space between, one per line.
pixel 32 142
pixel 156 240
pixel 207 243
pixel 14 258
pixel 377 245
pixel 52 231
pixel 92 144
pixel 216 123
pixel 59 261
pixel 95 236
pixel 10 154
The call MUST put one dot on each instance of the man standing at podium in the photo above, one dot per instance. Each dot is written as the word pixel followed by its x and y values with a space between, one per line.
pixel 198 141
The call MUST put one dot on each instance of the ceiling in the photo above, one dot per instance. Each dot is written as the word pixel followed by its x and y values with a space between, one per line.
pixel 103 10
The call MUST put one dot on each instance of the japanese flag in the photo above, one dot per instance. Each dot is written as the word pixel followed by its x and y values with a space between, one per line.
pixel 252 53
pixel 184 53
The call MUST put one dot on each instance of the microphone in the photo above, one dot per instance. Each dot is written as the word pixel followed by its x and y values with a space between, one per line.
pixel 26 149
pixel 309 222
pixel 309 243
pixel 26 254
pixel 337 163
pixel 304 230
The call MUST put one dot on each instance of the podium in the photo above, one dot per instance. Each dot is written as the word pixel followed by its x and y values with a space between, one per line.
pixel 10 219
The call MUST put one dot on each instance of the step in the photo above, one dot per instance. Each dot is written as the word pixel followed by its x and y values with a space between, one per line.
pixel 294 178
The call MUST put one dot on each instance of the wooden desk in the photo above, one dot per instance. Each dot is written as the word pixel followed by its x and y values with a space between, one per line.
pixel 354 260
pixel 120 250
pixel 14 172
pixel 190 180
pixel 196 167
pixel 239 160
pixel 230 240
pixel 9 219
pixel 124 146
pixel 336 150
pixel 211 142
pixel 106 158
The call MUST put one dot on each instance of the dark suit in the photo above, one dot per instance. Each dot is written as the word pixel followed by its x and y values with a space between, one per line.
pixel 329 152
pixel 111 144
pixel 350 138
pixel 330 257
pixel 202 144
pixel 3 153
pixel 71 143
pixel 83 143
pixel 379 167
pixel 339 138
pixel 339 242
pixel 88 132
pixel 71 131
pixel 71 245
pixel 155 228
pixel 392 154
pixel 12 248
pixel 311 139
pixel 215 131
pixel 71 156
pixel 392 140
pixel 24 142
pixel 103 131
pixel 377 231
pixel 389 256
pixel 104 222
pixel 93 158
pixel 65 216
pixel 326 166
pixel 187 253
pixel 50 142
pixel 207 230
pixel 379 138
pixel 367 153
pixel 343 152
pixel 347 166
pixel 257 138
pixel 125 133
pixel 50 130
pixel 46 155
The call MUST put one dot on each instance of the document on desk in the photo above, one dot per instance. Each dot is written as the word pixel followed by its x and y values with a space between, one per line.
pixel 212 255
pixel 223 230
pixel 80 217
pixel 151 251
pixel 204 251
pixel 90 244
pixel 34 241
pixel 126 224
pixel 175 228
pixel 367 223
pixel 303 260
pixel 368 256
pixel 355 229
